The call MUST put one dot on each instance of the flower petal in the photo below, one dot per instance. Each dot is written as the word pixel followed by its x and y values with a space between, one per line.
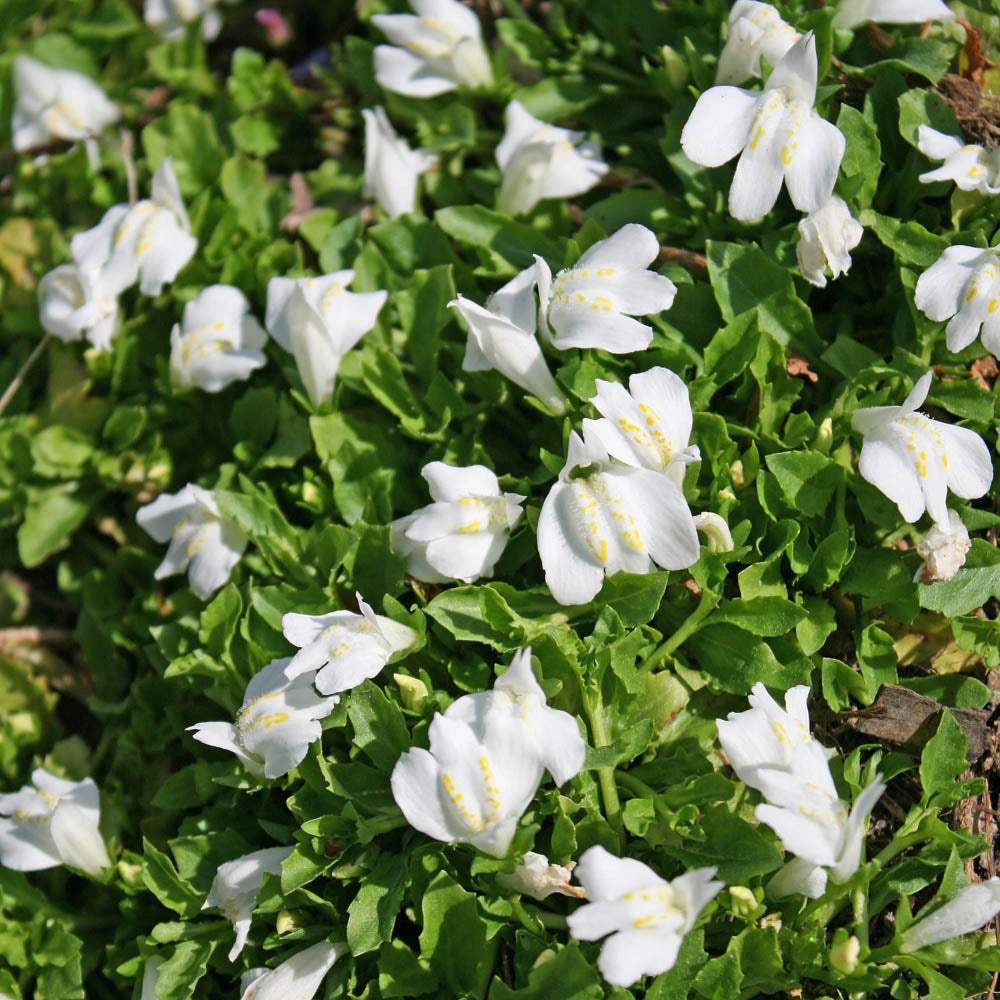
pixel 719 125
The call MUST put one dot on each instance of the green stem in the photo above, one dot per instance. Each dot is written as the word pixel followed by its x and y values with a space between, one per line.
pixel 614 73
pixel 861 917
pixel 593 708
pixel 688 627
pixel 527 920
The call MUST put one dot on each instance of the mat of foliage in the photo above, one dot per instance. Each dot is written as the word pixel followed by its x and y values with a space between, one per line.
pixel 101 668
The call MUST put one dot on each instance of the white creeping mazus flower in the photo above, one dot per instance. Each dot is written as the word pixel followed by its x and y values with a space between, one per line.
pixel 602 518
pixel 297 978
pixel 502 336
pixel 915 460
pixel 516 703
pixel 972 168
pixel 963 287
pixel 391 167
pixel 56 104
pixel 235 887
pixel 943 551
pixel 440 48
pixel 464 532
pixel 755 30
pixel 149 241
pixel 170 17
pixel 278 720
pixel 319 321
pixel 343 647
pixel 649 426
pixel 771 749
pixel 539 161
pixel 826 239
pixel 591 303
pixel 78 301
pixel 850 13
pixel 52 822
pixel 778 135
pixel 464 789
pixel 202 541
pixel 537 878
pixel 972 907
pixel 217 342
pixel 646 916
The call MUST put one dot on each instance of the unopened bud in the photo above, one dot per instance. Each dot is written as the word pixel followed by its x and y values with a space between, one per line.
pixel 824 436
pixel 675 65
pixel 131 873
pixel 411 689
pixel 736 472
pixel 744 901
pixel 844 956
pixel 290 920
pixel 717 535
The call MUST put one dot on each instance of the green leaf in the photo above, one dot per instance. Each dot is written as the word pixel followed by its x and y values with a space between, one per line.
pixel 733 348
pixel 161 878
pixel 765 616
pixel 402 974
pixel 244 183
pixel 677 982
pixel 910 241
pixel 372 913
pixel 453 939
pixel 968 589
pixel 876 659
pixel 566 975
pixel 943 758
pixel 181 972
pixel 48 524
pixel 635 598
pixel 621 751
pixel 808 479
pixel 526 40
pixel 511 244
pixel 736 660
pixel 187 135
pixel 220 619
pixel 862 164
pixel 60 452
pixel 379 727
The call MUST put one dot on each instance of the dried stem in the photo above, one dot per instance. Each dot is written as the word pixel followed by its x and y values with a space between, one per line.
pixel 15 382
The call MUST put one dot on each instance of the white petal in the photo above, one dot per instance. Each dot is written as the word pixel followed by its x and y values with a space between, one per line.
pixel 795 75
pixel 811 170
pixel 77 838
pixel 760 172
pixel 857 825
pixel 816 842
pixel 936 145
pixel 403 72
pixel 630 954
pixel 970 909
pixel 884 466
pixel 416 784
pixel 970 467
pixel 448 482
pixel 719 125
pixel 570 574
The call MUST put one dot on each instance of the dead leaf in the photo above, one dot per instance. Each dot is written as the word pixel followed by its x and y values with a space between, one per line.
pixel 984 369
pixel 795 364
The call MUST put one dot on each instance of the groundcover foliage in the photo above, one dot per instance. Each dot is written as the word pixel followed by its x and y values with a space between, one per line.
pixel 104 667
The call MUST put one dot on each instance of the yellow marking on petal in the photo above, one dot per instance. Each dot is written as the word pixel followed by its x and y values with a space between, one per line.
pixel 472 528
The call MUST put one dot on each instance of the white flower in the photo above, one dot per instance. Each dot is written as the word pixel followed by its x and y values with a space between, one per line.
pixel 464 532
pixel 278 720
pixel 850 13
pixel 535 877
pixel 319 321
pixel 235 887
pixel 718 537
pixel 539 161
pixel 772 750
pixel 755 30
pixel 972 168
pixel 149 241
pixel 963 287
pixel 914 460
pixel 943 551
pixel 971 907
pixel 217 342
pixel 55 104
pixel 516 703
pixel 75 301
pixel 440 49
pixel 169 17
pixel 826 239
pixel 201 540
pixel 52 822
pixel 646 916
pixel 587 304
pixel 464 790
pixel 777 133
pixel 297 978
pixel 649 426
pixel 602 518
pixel 391 167
pixel 343 647
pixel 502 336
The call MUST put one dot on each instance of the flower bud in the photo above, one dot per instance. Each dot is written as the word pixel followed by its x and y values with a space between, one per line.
pixel 844 956
pixel 972 907
pixel 412 690
pixel 716 532
pixel 743 899
pixel 824 436
pixel 736 472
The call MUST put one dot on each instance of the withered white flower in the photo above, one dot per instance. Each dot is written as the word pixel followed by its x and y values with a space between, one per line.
pixel 963 287
pixel 943 551
pixel 539 161
pixel 391 167
pixel 971 167
pixel 149 241
pixel 516 703
pixel 319 321
pixel 217 341
pixel 915 460
pixel 56 104
pixel 771 749
pixel 201 540
pixel 756 30
pixel 52 822
pixel 535 877
pixel 601 518
pixel 278 720
pixel 502 336
pixel 464 532
pixel 235 888
pixel 342 647
pixel 826 239
pixel 642 916
pixel 592 303
pixel 777 134
pixel 465 789
pixel 437 49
